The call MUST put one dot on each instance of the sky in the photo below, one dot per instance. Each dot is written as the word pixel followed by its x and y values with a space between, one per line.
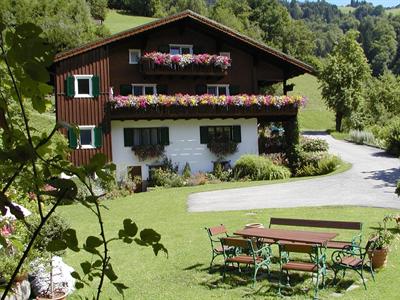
pixel 387 3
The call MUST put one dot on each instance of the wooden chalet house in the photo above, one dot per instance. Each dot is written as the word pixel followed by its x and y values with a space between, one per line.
pixel 176 83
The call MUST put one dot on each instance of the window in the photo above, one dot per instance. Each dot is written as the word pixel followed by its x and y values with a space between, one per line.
pixel 146 136
pixel 144 89
pixel 180 49
pixel 134 56
pixel 227 54
pixel 218 89
pixel 88 137
pixel 83 86
pixel 228 133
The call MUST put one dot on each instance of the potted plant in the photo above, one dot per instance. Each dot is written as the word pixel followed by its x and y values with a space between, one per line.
pixel 378 255
pixel 145 152
pixel 222 146
pixel 52 279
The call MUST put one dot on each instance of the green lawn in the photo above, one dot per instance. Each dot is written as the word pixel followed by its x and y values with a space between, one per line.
pixel 184 273
pixel 119 21
pixel 315 116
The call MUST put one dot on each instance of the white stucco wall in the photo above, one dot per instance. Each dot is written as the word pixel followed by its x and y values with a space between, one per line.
pixel 184 136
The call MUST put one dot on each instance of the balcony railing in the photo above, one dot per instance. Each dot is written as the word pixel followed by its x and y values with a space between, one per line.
pixel 149 67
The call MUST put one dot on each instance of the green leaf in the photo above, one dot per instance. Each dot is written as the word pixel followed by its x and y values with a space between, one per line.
pixel 3 241
pixel 17 243
pixel 149 236
pixel 93 242
pixel 97 263
pixel 159 247
pixel 130 228
pixel 79 285
pixel 56 245
pixel 76 275
pixel 110 273
pixel 86 267
pixel 70 238
pixel 120 287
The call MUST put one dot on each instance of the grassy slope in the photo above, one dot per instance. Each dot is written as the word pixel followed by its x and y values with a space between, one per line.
pixel 184 273
pixel 117 21
pixel 315 116
pixel 348 9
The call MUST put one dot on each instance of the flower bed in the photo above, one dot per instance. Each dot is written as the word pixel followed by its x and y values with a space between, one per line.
pixel 166 59
pixel 211 100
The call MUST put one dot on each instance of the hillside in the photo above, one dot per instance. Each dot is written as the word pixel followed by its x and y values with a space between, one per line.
pixel 349 9
pixel 117 21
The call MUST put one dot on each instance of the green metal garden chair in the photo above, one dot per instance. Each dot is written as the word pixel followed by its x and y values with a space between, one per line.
pixel 348 259
pixel 214 233
pixel 317 264
pixel 245 251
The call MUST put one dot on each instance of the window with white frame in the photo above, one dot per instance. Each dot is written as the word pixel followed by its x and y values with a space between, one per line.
pixel 218 89
pixel 180 49
pixel 227 54
pixel 83 86
pixel 144 89
pixel 134 56
pixel 86 137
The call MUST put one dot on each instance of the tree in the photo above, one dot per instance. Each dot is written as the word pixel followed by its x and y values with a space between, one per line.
pixel 343 77
pixel 379 42
pixel 31 162
pixel 235 14
pixel 65 24
pixel 98 9
pixel 383 98
pixel 298 40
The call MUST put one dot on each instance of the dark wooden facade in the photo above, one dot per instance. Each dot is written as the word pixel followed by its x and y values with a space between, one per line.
pixel 254 65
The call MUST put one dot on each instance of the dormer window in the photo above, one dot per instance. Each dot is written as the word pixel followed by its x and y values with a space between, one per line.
pixel 180 49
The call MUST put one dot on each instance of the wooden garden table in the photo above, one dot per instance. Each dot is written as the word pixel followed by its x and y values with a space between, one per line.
pixel 296 236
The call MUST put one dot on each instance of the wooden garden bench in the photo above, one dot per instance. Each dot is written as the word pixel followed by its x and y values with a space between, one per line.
pixel 355 242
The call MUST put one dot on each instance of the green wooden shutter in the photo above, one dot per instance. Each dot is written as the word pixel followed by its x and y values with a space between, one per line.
pixel 69 86
pixel 201 89
pixel 125 89
pixel 128 137
pixel 164 136
pixel 162 89
pixel 95 86
pixel 234 90
pixel 203 134
pixel 98 137
pixel 236 134
pixel 72 138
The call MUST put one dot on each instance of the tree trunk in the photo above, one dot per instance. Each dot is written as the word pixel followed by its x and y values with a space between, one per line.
pixel 339 117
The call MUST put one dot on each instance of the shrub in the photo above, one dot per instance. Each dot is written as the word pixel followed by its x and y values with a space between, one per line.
pixel 198 179
pixel 393 138
pixel 398 188
pixel 319 165
pixel 167 178
pixel 186 171
pixel 362 137
pixel 313 144
pixel 257 167
pixel 53 229
pixel 278 158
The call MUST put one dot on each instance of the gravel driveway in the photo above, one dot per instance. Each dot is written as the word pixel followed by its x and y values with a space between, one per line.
pixel 370 182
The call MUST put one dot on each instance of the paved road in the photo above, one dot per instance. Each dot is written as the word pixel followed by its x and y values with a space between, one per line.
pixel 370 182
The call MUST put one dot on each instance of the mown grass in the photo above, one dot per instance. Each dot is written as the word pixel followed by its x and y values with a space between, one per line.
pixel 315 115
pixel 184 274
pixel 117 21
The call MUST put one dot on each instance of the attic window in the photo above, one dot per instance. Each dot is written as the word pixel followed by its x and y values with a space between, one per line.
pixel 134 56
pixel 180 49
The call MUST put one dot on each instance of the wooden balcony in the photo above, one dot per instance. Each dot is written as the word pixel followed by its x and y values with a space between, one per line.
pixel 202 111
pixel 148 67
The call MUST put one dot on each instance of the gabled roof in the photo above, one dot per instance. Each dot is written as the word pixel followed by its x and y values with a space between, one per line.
pixel 187 14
